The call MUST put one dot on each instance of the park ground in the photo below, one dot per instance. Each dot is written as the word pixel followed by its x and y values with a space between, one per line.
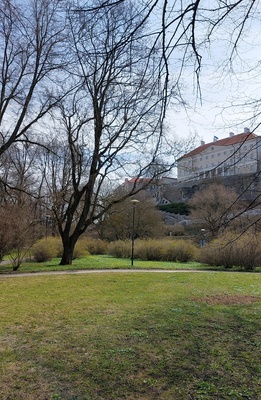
pixel 134 335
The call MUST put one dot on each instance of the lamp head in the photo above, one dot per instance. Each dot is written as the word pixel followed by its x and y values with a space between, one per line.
pixel 134 202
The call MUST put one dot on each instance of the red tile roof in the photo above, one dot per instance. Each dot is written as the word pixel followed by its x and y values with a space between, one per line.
pixel 241 138
pixel 139 180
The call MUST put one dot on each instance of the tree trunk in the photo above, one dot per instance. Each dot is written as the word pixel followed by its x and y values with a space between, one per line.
pixel 67 257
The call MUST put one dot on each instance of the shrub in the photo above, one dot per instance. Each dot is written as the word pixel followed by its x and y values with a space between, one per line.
pixel 96 246
pixel 46 248
pixel 181 250
pixel 80 249
pixel 247 252
pixel 219 252
pixel 231 249
pixel 148 250
pixel 120 249
pixel 155 250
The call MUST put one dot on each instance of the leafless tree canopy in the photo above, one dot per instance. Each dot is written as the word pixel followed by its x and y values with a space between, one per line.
pixel 31 37
pixel 184 28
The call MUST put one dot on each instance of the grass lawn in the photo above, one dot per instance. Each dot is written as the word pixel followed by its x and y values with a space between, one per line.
pixel 98 262
pixel 131 336
pixel 94 262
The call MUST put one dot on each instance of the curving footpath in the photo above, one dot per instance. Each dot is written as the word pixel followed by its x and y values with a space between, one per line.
pixel 94 271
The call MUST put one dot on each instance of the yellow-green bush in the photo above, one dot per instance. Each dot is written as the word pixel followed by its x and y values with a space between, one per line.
pixel 80 249
pixel 51 247
pixel 46 248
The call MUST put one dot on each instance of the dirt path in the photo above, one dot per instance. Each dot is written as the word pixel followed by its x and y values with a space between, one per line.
pixel 96 271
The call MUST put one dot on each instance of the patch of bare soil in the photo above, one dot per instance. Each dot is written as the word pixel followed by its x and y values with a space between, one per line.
pixel 227 299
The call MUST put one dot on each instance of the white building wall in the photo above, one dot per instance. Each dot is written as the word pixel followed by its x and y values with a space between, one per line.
pixel 222 161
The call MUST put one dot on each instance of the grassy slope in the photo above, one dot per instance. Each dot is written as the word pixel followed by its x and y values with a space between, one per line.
pixel 138 336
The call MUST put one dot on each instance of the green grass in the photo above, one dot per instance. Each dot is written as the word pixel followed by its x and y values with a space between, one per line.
pixel 99 262
pixel 131 336
pixel 94 262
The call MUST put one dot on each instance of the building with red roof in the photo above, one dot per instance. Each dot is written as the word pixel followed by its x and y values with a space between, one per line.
pixel 235 155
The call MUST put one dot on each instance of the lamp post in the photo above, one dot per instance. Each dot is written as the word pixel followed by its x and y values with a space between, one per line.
pixel 134 202
pixel 202 239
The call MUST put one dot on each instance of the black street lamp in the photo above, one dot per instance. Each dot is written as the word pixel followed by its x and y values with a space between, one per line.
pixel 134 202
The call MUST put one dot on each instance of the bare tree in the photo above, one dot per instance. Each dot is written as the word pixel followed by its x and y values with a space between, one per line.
pixel 113 122
pixel 116 224
pixel 31 60
pixel 19 205
pixel 16 232
pixel 18 166
pixel 214 208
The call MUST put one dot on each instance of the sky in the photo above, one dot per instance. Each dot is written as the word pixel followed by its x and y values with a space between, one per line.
pixel 225 88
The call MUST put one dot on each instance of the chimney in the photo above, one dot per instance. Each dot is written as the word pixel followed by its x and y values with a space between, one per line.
pixel 202 143
pixel 246 130
pixel 231 134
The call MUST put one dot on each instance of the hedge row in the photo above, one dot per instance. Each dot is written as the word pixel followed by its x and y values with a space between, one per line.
pixel 230 250
pixel 155 250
